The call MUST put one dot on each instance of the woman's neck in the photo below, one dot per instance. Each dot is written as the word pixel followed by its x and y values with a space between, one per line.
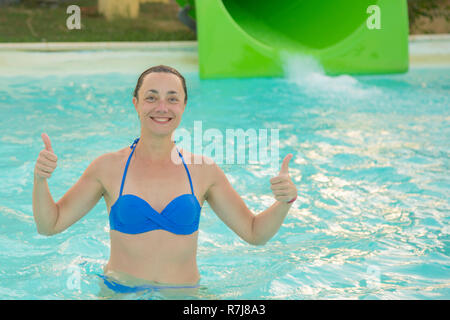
pixel 154 149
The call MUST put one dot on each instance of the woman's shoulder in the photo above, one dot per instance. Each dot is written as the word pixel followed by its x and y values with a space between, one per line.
pixel 201 167
pixel 106 166
pixel 110 160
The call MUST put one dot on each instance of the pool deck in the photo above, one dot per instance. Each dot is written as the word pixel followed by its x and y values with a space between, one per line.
pixel 429 50
pixel 95 57
pixel 101 57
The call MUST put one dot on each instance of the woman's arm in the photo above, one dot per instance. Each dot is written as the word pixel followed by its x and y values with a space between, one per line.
pixel 51 217
pixel 232 210
pixel 267 223
pixel 44 208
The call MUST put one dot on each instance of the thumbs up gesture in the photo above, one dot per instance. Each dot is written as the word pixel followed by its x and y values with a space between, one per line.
pixel 46 161
pixel 282 186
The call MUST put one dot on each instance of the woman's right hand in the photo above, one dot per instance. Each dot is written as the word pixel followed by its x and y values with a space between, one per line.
pixel 46 161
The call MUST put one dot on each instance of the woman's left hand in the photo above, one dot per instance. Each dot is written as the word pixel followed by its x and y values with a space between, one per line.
pixel 282 186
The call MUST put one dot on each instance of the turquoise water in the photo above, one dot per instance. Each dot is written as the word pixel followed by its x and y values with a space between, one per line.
pixel 371 163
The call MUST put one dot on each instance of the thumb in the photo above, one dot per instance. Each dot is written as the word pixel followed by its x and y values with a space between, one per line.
pixel 285 165
pixel 48 145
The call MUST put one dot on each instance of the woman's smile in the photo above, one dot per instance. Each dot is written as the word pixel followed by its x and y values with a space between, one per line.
pixel 161 120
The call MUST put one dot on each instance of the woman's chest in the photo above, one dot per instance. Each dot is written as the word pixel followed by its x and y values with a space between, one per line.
pixel 158 187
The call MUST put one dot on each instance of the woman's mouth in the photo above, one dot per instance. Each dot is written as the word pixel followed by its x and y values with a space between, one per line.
pixel 161 120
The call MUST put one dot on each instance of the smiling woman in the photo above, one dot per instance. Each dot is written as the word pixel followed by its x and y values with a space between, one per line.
pixel 161 105
pixel 152 95
pixel 154 204
pixel 161 68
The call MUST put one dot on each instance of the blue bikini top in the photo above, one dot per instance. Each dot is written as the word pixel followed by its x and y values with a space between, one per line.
pixel 132 214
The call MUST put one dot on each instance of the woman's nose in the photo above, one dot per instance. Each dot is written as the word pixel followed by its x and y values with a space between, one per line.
pixel 162 107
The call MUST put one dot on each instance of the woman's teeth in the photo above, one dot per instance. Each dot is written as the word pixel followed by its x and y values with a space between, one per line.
pixel 161 120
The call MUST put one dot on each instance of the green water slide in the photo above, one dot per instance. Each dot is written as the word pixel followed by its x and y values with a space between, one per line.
pixel 249 38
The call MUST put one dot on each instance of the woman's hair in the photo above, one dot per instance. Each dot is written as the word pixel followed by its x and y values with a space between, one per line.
pixel 160 68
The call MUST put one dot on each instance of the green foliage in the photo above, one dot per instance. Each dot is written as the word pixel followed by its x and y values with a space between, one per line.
pixel 428 9
pixel 36 21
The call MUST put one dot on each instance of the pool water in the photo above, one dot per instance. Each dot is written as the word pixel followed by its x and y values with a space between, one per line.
pixel 371 163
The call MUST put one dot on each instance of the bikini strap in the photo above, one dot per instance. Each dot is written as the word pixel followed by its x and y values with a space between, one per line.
pixel 189 176
pixel 132 147
pixel 134 143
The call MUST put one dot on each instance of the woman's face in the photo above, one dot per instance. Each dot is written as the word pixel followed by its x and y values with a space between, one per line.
pixel 161 102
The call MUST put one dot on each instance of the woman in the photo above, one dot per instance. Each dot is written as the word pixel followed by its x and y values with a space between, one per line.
pixel 153 202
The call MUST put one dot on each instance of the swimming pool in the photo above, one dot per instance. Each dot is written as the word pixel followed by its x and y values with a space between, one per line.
pixel 371 163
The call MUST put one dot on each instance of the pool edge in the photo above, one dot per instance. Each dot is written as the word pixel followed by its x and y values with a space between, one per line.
pixel 115 45
pixel 424 50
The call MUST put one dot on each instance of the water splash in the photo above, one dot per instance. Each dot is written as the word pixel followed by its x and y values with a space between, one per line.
pixel 309 74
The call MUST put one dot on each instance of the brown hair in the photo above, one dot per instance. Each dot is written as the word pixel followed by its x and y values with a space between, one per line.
pixel 160 68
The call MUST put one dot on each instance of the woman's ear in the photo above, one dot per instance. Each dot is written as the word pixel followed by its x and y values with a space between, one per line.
pixel 135 103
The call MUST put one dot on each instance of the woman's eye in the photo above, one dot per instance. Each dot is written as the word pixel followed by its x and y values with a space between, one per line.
pixel 151 98
pixel 173 99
